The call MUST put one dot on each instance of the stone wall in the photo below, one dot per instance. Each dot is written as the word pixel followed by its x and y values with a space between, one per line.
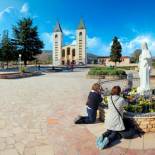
pixel 101 114
pixel 145 124
pixel 107 77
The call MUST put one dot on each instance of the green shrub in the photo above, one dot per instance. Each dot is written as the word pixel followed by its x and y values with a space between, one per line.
pixel 134 108
pixel 23 69
pixel 153 64
pixel 106 71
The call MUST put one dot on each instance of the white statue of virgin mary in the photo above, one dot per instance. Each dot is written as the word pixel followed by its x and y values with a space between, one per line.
pixel 145 65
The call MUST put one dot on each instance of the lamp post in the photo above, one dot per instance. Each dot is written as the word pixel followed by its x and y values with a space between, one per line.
pixel 19 62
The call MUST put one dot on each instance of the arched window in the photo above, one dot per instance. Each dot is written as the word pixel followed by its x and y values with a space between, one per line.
pixel 56 39
pixel 68 62
pixel 73 52
pixel 63 62
pixel 80 35
pixel 68 51
pixel 63 53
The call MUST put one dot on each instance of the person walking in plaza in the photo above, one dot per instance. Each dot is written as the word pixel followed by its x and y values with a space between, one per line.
pixel 94 98
pixel 113 120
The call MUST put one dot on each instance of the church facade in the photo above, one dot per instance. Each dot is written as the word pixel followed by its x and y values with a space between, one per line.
pixel 69 54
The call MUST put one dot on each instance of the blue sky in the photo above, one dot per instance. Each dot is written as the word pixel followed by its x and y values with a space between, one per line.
pixel 131 20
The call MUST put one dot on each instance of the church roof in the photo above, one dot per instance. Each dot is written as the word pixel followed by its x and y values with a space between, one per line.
pixel 81 25
pixel 57 27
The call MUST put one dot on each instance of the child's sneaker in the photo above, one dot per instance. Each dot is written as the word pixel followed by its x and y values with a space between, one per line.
pixel 104 143
pixel 99 140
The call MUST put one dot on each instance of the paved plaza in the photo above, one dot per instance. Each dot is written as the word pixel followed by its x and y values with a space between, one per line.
pixel 37 113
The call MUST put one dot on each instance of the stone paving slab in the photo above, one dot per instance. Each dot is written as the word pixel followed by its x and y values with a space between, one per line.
pixel 9 152
pixel 37 115
pixel 44 150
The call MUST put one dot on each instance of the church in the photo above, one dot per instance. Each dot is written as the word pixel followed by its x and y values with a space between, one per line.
pixel 69 54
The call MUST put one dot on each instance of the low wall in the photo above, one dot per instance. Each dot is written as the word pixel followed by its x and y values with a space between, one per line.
pixel 144 122
pixel 18 75
pixel 95 76
pixel 107 77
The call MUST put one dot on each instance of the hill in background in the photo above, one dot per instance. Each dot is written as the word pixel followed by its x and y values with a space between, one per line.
pixel 91 58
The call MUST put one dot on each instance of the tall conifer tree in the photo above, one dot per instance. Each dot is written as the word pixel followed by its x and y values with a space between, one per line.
pixel 27 39
pixel 116 50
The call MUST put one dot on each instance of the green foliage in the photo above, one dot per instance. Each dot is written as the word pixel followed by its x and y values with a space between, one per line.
pixel 134 108
pixel 7 51
pixel 127 67
pixel 135 56
pixel 27 39
pixel 1 54
pixel 105 99
pixel 106 71
pixel 116 50
pixel 23 69
pixel 153 64
pixel 137 102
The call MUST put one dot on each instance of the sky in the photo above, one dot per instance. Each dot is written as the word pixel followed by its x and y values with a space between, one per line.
pixel 132 21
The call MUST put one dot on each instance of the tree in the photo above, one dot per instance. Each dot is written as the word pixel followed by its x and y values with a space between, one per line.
pixel 7 52
pixel 27 40
pixel 116 49
pixel 1 56
pixel 135 56
pixel 1 52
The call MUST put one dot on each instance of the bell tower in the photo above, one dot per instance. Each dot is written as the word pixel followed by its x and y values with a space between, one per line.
pixel 57 44
pixel 81 56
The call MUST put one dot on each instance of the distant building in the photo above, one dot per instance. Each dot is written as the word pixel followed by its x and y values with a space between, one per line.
pixel 67 54
pixel 91 58
pixel 105 60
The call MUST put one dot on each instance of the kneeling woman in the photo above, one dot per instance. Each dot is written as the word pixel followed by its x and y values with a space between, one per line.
pixel 94 98
pixel 113 120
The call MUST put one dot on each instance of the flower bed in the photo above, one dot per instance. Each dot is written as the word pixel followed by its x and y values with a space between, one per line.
pixel 138 103
pixel 144 122
pixel 140 109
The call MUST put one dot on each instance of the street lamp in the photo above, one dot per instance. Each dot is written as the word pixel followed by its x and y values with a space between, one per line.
pixel 19 62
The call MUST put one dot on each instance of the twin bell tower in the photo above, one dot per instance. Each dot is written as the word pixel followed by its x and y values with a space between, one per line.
pixel 69 54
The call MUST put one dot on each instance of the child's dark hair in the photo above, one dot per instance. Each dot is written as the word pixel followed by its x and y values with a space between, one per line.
pixel 116 90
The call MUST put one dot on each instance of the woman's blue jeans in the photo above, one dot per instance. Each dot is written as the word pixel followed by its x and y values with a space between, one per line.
pixel 91 118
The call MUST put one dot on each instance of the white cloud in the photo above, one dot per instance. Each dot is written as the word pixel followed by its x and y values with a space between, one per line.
pixel 34 17
pixel 5 12
pixel 97 46
pixel 134 30
pixel 73 42
pixel 93 42
pixel 135 43
pixel 24 8
pixel 67 32
pixel 47 39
